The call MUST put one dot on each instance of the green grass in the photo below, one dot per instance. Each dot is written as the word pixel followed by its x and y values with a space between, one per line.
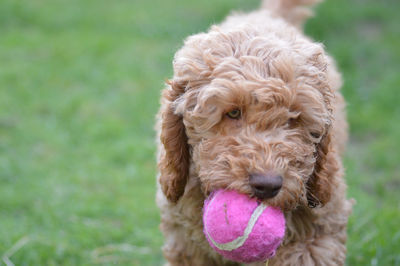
pixel 79 88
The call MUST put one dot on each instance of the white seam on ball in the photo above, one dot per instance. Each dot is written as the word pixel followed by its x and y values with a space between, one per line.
pixel 238 242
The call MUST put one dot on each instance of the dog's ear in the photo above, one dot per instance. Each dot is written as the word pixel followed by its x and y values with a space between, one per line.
pixel 174 162
pixel 324 178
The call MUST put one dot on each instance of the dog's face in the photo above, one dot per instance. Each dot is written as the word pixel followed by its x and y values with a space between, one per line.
pixel 250 121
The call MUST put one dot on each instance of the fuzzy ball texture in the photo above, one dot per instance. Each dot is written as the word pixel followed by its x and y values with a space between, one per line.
pixel 241 228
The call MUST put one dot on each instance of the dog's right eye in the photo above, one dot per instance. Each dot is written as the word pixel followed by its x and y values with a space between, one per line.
pixel 315 135
pixel 234 114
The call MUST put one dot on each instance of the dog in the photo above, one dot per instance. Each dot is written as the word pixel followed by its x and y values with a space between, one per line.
pixel 254 106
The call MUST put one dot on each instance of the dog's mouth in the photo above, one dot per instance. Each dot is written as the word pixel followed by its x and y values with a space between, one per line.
pixel 280 198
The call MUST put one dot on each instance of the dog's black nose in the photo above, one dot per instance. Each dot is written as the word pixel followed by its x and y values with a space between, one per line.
pixel 265 186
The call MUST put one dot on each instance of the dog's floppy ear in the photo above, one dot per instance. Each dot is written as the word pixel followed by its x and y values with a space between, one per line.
pixel 174 162
pixel 324 178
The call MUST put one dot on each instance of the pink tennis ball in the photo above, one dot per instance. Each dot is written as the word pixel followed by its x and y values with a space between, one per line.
pixel 241 228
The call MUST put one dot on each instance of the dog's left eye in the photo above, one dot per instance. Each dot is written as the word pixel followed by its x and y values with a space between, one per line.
pixel 234 114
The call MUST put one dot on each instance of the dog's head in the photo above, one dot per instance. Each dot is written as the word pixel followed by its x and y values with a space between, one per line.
pixel 252 114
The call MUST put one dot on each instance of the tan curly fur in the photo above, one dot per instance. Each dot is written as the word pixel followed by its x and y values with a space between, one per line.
pixel 292 123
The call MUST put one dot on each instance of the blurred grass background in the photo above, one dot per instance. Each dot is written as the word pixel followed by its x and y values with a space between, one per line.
pixel 79 88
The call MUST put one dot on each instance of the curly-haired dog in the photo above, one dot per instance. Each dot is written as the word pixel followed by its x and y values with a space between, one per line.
pixel 254 106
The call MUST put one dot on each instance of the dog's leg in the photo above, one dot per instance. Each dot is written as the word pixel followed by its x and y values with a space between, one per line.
pixel 185 247
pixel 179 252
pixel 182 227
pixel 179 248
